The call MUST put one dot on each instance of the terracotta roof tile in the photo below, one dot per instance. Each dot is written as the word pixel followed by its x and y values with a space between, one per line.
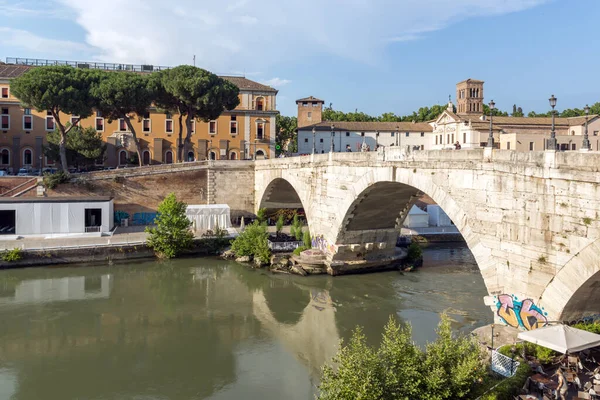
pixel 311 98
pixel 371 126
pixel 12 71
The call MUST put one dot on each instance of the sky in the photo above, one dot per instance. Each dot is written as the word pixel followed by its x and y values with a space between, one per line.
pixel 374 56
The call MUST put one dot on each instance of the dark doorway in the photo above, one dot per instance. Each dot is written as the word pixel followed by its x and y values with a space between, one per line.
pixel 7 222
pixel 93 219
pixel 146 158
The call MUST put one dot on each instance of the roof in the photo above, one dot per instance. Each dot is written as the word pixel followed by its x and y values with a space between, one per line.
pixel 13 71
pixel 65 199
pixel 541 121
pixel 370 126
pixel 471 81
pixel 311 98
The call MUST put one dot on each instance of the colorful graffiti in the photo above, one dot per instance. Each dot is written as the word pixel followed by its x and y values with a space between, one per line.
pixel 320 243
pixel 520 313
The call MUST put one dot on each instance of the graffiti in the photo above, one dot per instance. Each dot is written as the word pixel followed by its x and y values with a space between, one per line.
pixel 520 313
pixel 320 243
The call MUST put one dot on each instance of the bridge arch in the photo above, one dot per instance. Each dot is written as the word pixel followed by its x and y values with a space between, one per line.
pixel 281 193
pixel 574 292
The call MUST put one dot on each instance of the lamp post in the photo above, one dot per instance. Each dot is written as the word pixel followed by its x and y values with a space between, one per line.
pixel 331 146
pixel 586 140
pixel 314 131
pixel 397 134
pixel 376 139
pixel 490 142
pixel 552 145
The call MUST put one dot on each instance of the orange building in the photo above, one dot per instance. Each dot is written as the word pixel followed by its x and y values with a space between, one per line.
pixel 246 132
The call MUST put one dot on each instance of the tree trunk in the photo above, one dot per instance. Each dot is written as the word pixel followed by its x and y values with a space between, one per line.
pixel 135 139
pixel 188 132
pixel 180 145
pixel 62 144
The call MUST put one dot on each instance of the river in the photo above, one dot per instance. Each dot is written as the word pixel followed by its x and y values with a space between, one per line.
pixel 209 329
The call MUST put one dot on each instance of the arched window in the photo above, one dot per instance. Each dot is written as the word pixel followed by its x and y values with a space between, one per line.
pixel 233 155
pixel 191 156
pixel 5 157
pixel 169 157
pixel 146 157
pixel 260 155
pixel 212 155
pixel 260 104
pixel 27 157
pixel 123 157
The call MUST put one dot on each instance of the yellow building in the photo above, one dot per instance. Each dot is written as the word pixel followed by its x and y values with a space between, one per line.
pixel 246 132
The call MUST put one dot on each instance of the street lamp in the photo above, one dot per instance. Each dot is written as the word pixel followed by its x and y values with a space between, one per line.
pixel 586 140
pixel 552 142
pixel 490 142
pixel 331 146
pixel 397 134
pixel 314 131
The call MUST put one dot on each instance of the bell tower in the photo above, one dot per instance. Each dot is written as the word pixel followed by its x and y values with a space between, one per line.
pixel 469 97
pixel 310 111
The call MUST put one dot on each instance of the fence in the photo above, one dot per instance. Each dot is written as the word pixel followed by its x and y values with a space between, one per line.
pixel 503 365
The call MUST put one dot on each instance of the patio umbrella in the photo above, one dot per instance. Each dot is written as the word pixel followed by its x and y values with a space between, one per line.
pixel 561 338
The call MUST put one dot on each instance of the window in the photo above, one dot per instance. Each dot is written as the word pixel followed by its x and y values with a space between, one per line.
pixel 27 157
pixel 595 133
pixel 98 114
pixel 436 139
pixel 347 133
pixel 573 146
pixel 212 127
pixel 27 111
pixel 422 134
pixel 169 126
pixel 49 121
pixel 5 157
pixel 309 115
pixel 507 145
pixel 305 140
pixel 452 141
pixel 5 119
pixel 572 133
pixel 422 147
pixel 305 104
pixel 169 157
pixel 212 155
pixel 146 123
pixel 146 157
pixel 321 140
pixel 260 104
pixel 362 134
pixel 260 128
pixel 50 161
pixel 407 134
pixel 27 122
pixel 99 124
pixel 464 137
pixel 74 120
pixel 233 155
pixel 233 125
pixel 190 156
pixel 314 104
pixel 5 93
pixel 193 126
pixel 122 125
pixel 393 134
pixel 531 146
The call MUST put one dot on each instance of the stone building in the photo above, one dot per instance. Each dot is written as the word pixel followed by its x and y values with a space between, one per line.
pixel 246 132
pixel 464 124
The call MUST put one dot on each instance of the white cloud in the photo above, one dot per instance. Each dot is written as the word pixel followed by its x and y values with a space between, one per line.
pixel 234 35
pixel 24 40
pixel 277 82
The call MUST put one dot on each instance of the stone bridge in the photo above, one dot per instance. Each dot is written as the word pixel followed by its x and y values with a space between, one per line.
pixel 531 219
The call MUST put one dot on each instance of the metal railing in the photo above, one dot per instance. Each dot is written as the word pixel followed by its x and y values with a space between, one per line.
pixel 90 229
pixel 37 62
pixel 504 365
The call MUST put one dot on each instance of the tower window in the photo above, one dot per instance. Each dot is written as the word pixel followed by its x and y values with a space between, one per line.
pixel 309 115
pixel 348 133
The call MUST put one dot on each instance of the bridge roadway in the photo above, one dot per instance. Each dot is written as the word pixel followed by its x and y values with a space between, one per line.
pixel 531 220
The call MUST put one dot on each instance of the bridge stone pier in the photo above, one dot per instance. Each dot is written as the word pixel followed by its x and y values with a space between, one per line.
pixel 531 220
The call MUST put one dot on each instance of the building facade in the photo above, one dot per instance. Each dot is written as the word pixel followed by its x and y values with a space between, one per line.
pixel 247 132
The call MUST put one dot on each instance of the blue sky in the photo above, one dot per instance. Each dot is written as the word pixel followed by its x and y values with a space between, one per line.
pixel 372 55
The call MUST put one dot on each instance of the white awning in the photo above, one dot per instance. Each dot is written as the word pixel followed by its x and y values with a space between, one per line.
pixel 205 217
pixel 561 338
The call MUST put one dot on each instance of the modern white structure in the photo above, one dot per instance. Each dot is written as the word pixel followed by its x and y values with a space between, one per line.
pixel 55 216
pixel 212 216
pixel 416 218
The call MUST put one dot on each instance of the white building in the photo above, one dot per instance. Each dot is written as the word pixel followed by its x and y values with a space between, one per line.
pixel 56 216
pixel 437 216
pixel 416 218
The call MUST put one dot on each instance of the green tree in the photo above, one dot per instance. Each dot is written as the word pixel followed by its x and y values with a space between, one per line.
pixel 172 233
pixel 253 242
pixel 286 137
pixel 84 146
pixel 496 112
pixel 121 94
pixel 59 90
pixel 193 93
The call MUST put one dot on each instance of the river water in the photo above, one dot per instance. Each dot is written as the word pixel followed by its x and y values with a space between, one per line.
pixel 207 328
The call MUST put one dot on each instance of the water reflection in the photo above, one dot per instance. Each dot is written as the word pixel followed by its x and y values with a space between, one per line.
pixel 204 328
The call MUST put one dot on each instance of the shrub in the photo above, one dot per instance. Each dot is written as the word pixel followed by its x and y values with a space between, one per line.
pixel 53 180
pixel 448 369
pixel 172 234
pixel 11 255
pixel 261 215
pixel 253 242
pixel 414 252
pixel 279 224
pixel 543 354
pixel 299 250
pixel 508 388
pixel 306 239
pixel 593 327
pixel 296 228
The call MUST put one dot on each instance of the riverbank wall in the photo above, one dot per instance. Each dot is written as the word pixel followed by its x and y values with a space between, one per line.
pixel 108 253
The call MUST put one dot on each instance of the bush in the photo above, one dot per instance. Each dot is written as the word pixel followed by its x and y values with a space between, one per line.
pixel 11 255
pixel 53 180
pixel 508 388
pixel 593 327
pixel 306 239
pixel 449 368
pixel 296 228
pixel 261 215
pixel 299 250
pixel 414 252
pixel 253 242
pixel 172 234
pixel 279 225
pixel 543 354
